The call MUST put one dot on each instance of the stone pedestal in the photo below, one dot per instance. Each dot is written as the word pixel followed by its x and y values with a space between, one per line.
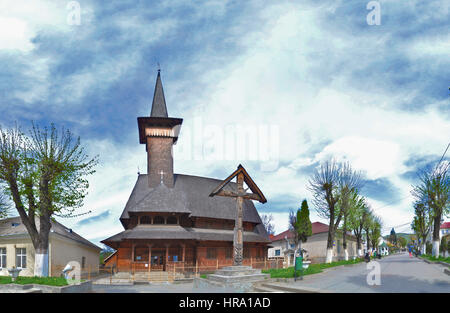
pixel 232 279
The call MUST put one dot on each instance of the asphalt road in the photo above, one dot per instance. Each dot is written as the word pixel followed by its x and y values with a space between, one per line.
pixel 398 273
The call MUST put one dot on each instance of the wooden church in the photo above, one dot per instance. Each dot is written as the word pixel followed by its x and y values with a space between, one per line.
pixel 171 218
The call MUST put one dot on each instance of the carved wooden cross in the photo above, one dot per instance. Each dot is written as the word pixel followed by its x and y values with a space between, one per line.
pixel 240 194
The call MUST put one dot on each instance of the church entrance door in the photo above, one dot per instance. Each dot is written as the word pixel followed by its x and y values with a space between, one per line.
pixel 158 259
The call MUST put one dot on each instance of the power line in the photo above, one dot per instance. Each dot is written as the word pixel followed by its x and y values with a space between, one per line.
pixel 437 165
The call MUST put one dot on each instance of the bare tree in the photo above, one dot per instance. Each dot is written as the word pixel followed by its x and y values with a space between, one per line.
pixel 267 221
pixel 324 186
pixel 44 175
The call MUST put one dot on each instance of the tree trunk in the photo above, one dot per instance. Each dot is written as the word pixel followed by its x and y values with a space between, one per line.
pixel 41 262
pixel 368 241
pixel 358 245
pixel 41 255
pixel 329 257
pixel 436 239
pixel 344 241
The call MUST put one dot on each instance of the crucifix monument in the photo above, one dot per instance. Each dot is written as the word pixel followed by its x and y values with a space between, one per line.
pixel 238 277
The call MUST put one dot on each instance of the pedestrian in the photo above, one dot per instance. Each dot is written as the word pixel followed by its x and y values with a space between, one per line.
pixel 410 252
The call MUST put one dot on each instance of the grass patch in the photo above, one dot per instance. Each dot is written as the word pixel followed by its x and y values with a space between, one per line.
pixel 434 259
pixel 23 280
pixel 203 276
pixel 312 269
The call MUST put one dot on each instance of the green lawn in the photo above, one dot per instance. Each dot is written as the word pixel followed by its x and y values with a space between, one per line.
pixel 312 269
pixel 432 258
pixel 50 281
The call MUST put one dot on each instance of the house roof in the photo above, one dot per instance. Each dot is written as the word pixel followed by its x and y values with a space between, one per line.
pixel 190 195
pixel 13 226
pixel 179 232
pixel 445 225
pixel 316 228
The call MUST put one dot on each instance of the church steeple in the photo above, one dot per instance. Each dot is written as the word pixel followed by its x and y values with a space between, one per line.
pixel 159 108
pixel 159 133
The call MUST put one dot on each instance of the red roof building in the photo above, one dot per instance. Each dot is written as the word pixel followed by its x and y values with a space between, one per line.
pixel 316 228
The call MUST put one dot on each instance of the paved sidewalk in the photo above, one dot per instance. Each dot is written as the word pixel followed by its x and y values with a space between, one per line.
pixel 399 273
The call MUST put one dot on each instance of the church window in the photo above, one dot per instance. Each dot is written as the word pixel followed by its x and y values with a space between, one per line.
pixel 172 220
pixel 158 220
pixel 211 253
pixel 145 220
pixel 141 253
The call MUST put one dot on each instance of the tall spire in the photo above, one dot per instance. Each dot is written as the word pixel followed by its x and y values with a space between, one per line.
pixel 159 108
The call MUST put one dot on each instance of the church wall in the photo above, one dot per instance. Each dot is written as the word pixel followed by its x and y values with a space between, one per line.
pixel 213 223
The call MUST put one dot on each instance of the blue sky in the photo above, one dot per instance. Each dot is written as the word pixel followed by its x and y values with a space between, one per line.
pixel 326 82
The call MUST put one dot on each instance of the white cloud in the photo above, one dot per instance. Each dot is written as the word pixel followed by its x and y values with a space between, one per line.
pixel 294 70
pixel 15 34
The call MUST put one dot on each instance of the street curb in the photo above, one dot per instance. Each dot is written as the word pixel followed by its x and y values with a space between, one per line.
pixel 292 289
pixel 433 262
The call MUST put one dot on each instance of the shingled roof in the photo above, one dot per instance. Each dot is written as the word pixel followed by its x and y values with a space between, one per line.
pixel 179 232
pixel 13 226
pixel 190 194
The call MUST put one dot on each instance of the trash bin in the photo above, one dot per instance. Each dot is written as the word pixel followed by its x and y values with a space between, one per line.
pixel 298 267
pixel 299 263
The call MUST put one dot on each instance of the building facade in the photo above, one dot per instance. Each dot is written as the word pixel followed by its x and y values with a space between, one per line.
pixel 16 249
pixel 316 245
pixel 170 218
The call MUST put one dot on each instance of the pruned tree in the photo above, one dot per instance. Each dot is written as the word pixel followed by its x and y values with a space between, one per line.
pixel 44 175
pixel 434 190
pixel 350 182
pixel 367 226
pixel 375 231
pixel 358 219
pixel 324 186
pixel 422 222
pixel 267 221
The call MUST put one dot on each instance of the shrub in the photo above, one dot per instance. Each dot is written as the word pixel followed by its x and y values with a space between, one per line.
pixel 428 247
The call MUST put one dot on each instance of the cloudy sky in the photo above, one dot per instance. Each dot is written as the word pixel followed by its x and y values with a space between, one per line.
pixel 294 82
